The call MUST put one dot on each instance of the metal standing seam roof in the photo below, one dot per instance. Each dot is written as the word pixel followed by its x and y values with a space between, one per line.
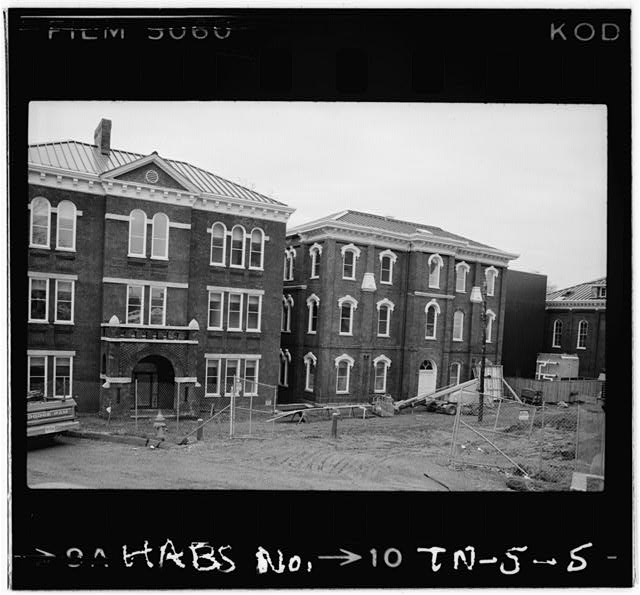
pixel 578 292
pixel 87 159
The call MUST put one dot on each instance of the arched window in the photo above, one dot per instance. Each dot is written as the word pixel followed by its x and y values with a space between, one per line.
pixel 218 244
pixel 66 226
pixel 385 307
pixel 160 236
pixel 458 325
pixel 289 256
pixel 315 251
pixel 285 358
pixel 350 254
pixel 344 363
pixel 287 305
pixel 491 275
pixel 347 307
pixel 454 374
pixel 237 247
pixel 432 309
pixel 583 329
pixel 462 268
pixel 387 260
pixel 313 302
pixel 435 264
pixel 40 223
pixel 380 366
pixel 557 333
pixel 256 256
pixel 310 362
pixel 490 318
pixel 137 233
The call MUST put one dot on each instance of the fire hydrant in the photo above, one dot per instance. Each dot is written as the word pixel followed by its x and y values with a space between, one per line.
pixel 160 425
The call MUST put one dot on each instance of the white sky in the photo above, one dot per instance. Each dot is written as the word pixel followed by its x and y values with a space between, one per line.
pixel 529 179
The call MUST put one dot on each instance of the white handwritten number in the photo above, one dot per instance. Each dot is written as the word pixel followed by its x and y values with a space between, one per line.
pixel 392 557
pixel 582 562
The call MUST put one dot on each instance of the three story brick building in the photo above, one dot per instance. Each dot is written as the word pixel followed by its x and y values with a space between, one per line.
pixel 149 278
pixel 375 305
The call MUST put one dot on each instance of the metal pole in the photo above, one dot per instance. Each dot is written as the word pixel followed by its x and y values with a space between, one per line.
pixel 495 425
pixel 275 397
pixel 577 437
pixel 484 354
pixel 177 396
pixel 456 422
pixel 250 411
pixel 135 400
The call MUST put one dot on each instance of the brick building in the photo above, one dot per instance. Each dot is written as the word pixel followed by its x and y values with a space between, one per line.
pixel 375 305
pixel 148 272
pixel 575 324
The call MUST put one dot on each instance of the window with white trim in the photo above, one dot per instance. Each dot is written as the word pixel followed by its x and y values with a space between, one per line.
pixel 289 257
pixel 283 376
pixel 237 247
pixel 454 373
pixel 135 304
pixel 234 315
pixel 490 318
pixel 350 254
pixel 137 233
pixel 380 366
pixel 557 333
pixel 37 379
pixel 256 249
pixel 254 312
pixel 385 307
pixel 313 303
pixel 583 329
pixel 232 382
pixel 347 307
pixel 218 244
pixel 287 305
pixel 62 370
pixel 66 226
pixel 491 274
pixel 315 251
pixel 344 363
pixel 64 301
pixel 250 388
pixel 462 268
pixel 387 260
pixel 157 306
pixel 38 300
pixel 431 310
pixel 40 223
pixel 160 237
pixel 435 263
pixel 216 308
pixel 458 325
pixel 310 362
pixel 212 377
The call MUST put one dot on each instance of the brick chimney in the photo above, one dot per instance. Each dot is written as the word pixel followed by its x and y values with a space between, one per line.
pixel 102 136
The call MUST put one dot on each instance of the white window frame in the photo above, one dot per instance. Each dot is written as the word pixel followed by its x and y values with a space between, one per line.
pixel 356 254
pixel 287 307
pixel 491 272
pixel 238 361
pixel 315 252
pixel 215 328
pixel 464 268
pixel 46 246
pixel 230 328
pixel 73 231
pixel 55 366
pixel 436 308
pixel 142 254
pixel 255 382
pixel 283 370
pixel 556 331
pixel 347 299
pixel 438 259
pixel 381 359
pixel 584 335
pixel 129 287
pixel 459 368
pixel 490 319
pixel 312 300
pixel 392 256
pixel 206 376
pixel 309 360
pixel 349 361
pixel 458 339
pixel 224 245
pixel 46 309
pixel 251 251
pixel 389 306
pixel 164 256
pixel 164 304
pixel 73 294
pixel 259 327
pixel 289 257
pixel 46 373
pixel 244 241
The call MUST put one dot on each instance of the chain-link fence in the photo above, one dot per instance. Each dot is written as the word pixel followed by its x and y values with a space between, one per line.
pixel 556 445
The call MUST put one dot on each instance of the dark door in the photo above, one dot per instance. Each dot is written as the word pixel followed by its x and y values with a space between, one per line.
pixel 144 382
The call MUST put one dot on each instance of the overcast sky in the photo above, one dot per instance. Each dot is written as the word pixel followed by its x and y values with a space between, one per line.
pixel 529 179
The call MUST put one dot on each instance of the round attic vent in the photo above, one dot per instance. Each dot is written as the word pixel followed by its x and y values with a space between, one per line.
pixel 151 176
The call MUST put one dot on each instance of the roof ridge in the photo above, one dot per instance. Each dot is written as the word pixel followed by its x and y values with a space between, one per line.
pixel 390 218
pixel 577 285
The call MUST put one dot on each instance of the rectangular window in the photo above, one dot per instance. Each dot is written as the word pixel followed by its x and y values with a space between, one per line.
pixel 250 377
pixel 37 380
pixel 62 375
pixel 458 321
pixel 315 264
pixel 385 270
pixel 212 383
pixel 383 322
pixel 254 312
pixel 38 300
pixel 313 317
pixel 234 318
pixel 216 305
pixel 157 306
pixel 348 265
pixel 461 279
pixel 342 378
pixel 310 377
pixel 380 378
pixel 346 312
pixel 135 306
pixel 64 301
pixel 232 376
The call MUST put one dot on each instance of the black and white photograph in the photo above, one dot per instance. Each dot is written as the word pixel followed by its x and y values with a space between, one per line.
pixel 332 298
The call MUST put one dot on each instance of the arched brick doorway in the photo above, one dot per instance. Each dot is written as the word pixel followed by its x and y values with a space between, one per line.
pixel 153 381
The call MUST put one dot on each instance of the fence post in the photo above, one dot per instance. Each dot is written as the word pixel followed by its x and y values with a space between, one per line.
pixel 456 422
pixel 495 425
pixel 250 411
pixel 541 441
pixel 135 400
pixel 177 397
pixel 575 463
